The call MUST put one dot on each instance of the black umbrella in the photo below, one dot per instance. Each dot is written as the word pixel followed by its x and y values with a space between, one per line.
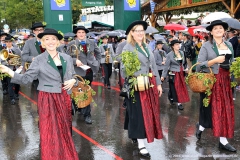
pixel 233 23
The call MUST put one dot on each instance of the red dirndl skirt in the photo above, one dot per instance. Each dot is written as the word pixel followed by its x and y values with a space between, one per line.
pixel 55 122
pixel 151 112
pixel 222 106
pixel 181 87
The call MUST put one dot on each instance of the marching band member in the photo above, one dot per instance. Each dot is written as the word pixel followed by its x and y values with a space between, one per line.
pixel 142 118
pixel 160 57
pixel 107 53
pixel 89 54
pixel 13 93
pixel 33 47
pixel 177 87
pixel 55 73
pixel 63 47
pixel 4 80
pixel 219 115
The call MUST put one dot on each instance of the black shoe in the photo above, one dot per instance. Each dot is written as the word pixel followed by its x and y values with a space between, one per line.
pixel 180 107
pixel 88 120
pixel 108 86
pixel 134 140
pixel 13 101
pixel 5 92
pixel 144 154
pixel 198 132
pixel 227 147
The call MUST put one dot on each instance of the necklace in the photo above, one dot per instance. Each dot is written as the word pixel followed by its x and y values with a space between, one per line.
pixel 54 56
pixel 218 44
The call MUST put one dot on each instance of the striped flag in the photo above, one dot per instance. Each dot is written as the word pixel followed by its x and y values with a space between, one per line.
pixel 152 5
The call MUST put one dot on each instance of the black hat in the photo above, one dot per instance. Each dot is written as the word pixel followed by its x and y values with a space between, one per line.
pixel 217 22
pixel 80 28
pixel 121 38
pixel 159 42
pixel 8 38
pixel 67 38
pixel 4 34
pixel 174 41
pixel 50 31
pixel 104 37
pixel 232 30
pixel 169 36
pixel 145 25
pixel 38 24
pixel 185 33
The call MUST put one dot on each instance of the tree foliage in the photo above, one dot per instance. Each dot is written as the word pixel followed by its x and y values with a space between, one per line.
pixel 21 13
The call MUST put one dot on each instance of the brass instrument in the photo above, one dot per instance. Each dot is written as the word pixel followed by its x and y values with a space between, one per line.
pixel 15 60
pixel 75 51
pixel 107 55
pixel 26 65
pixel 20 45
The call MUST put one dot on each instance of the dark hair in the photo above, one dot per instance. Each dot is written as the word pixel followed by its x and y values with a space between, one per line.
pixel 152 36
pixel 206 37
pixel 197 37
pixel 210 38
pixel 173 31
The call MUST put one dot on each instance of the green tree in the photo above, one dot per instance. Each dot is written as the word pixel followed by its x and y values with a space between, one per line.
pixel 21 13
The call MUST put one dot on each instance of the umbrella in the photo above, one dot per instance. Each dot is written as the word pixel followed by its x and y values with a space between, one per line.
pixel 69 34
pixel 114 33
pixel 233 23
pixel 151 29
pixel 158 37
pixel 121 31
pixel 175 27
pixel 193 29
pixel 91 34
pixel 215 16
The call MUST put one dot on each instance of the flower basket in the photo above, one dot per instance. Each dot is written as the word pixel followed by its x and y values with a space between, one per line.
pixel 82 94
pixel 200 82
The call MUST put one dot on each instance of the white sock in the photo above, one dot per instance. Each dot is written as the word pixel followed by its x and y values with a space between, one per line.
pixel 223 140
pixel 178 104
pixel 201 128
pixel 141 145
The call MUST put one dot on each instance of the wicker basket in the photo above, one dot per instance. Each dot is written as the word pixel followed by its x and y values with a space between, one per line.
pixel 80 90
pixel 196 84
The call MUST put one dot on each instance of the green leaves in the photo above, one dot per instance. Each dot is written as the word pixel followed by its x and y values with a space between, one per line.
pixel 206 82
pixel 235 68
pixel 131 65
pixel 3 75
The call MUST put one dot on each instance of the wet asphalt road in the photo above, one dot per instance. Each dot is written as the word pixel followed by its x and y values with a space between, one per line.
pixel 105 139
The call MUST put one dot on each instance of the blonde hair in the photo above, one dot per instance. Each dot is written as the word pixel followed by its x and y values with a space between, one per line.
pixel 130 38
pixel 43 39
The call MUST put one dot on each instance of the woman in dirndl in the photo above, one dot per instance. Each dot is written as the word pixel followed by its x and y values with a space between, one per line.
pixel 175 65
pixel 143 116
pixel 219 115
pixel 55 73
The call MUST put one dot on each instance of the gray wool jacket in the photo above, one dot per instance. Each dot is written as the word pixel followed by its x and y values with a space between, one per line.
pixel 208 52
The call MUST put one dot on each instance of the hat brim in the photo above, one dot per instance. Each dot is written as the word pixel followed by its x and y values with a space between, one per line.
pixel 3 34
pixel 33 28
pixel 59 36
pixel 224 24
pixel 175 42
pixel 76 29
pixel 143 23
pixel 159 43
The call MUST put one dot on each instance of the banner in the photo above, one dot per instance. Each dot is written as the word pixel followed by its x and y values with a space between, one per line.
pixel 131 5
pixel 60 5
pixel 93 2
